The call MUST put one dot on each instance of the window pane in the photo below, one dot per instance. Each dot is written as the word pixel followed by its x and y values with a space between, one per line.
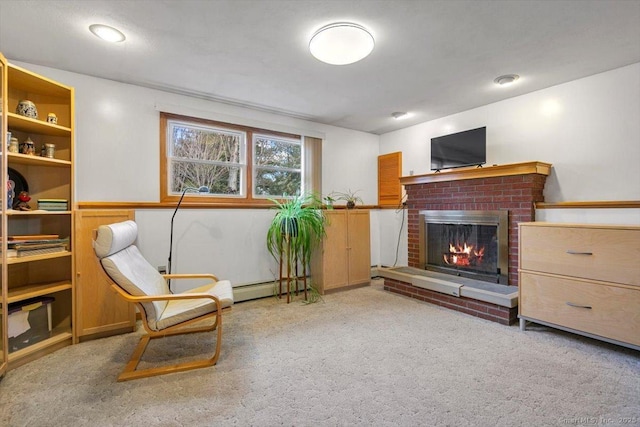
pixel 275 183
pixel 210 157
pixel 218 179
pixel 277 166
pixel 277 152
pixel 196 142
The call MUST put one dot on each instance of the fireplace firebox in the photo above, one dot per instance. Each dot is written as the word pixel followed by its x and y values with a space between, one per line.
pixel 465 243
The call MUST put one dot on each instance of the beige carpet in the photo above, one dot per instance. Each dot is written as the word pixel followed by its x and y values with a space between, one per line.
pixel 361 357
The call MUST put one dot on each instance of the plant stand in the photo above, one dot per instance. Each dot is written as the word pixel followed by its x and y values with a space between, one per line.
pixel 286 257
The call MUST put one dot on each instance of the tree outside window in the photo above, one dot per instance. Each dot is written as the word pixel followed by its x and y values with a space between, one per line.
pixel 206 157
pixel 277 166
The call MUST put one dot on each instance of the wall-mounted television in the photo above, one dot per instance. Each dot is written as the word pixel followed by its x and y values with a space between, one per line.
pixel 468 148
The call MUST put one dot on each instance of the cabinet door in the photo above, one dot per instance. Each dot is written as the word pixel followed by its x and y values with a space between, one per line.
pixel 334 251
pixel 100 311
pixel 359 247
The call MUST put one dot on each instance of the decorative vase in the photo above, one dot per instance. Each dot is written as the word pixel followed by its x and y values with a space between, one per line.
pixel 28 147
pixel 351 204
pixel 52 118
pixel 27 108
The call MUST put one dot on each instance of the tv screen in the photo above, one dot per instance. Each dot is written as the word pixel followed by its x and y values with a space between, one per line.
pixel 460 149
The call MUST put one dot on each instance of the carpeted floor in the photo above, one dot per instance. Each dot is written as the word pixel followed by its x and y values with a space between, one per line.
pixel 361 357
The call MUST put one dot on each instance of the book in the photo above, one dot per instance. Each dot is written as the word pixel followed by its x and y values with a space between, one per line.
pixel 33 237
pixel 41 251
pixel 53 201
pixel 36 243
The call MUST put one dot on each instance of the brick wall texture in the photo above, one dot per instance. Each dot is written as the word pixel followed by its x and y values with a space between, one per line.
pixel 517 194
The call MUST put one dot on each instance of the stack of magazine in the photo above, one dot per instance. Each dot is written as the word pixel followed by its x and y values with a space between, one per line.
pixel 53 204
pixel 35 244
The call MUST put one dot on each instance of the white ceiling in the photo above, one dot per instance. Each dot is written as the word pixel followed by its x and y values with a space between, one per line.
pixel 432 58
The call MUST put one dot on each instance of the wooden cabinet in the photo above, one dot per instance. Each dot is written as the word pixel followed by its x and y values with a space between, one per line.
pixel 27 275
pixel 344 258
pixel 581 278
pixel 100 312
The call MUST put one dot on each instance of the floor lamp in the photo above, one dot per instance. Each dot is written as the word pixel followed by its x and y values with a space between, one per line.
pixel 201 190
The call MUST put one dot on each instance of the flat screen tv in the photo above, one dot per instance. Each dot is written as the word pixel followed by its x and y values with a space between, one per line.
pixel 468 148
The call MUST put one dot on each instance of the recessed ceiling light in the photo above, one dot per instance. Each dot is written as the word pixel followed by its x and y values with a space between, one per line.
pixel 341 43
pixel 506 80
pixel 398 115
pixel 107 33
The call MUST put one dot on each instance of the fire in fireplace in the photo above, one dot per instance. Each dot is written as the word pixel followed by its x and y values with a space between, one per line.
pixel 465 243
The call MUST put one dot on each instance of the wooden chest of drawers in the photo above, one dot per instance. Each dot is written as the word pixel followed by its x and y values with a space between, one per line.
pixel 581 278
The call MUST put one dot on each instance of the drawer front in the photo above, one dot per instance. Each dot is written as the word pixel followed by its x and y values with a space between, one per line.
pixel 610 255
pixel 614 312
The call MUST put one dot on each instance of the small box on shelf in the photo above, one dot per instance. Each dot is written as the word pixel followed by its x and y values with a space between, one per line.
pixel 29 322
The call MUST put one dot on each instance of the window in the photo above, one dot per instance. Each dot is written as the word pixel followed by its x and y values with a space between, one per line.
pixel 230 164
pixel 277 166
pixel 210 157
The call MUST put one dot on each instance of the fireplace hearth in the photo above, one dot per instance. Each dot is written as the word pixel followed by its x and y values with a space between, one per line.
pixel 465 243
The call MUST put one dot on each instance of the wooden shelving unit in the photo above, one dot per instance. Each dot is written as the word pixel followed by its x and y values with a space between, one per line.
pixel 45 275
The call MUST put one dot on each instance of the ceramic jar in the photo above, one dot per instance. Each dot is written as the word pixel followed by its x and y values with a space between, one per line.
pixel 28 147
pixel 14 146
pixel 52 118
pixel 49 150
pixel 27 108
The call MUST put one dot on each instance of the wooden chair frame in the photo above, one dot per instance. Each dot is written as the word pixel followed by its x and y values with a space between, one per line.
pixel 130 372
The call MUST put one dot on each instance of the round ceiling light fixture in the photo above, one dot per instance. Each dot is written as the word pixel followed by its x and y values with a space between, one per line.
pixel 107 33
pixel 506 80
pixel 341 43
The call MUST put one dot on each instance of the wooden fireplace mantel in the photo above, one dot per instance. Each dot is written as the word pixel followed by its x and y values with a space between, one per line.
pixel 476 172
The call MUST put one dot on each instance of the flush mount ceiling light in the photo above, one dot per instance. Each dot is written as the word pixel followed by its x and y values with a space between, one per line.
pixel 506 80
pixel 398 115
pixel 107 33
pixel 341 43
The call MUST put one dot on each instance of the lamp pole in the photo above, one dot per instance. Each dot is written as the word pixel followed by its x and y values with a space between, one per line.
pixel 202 190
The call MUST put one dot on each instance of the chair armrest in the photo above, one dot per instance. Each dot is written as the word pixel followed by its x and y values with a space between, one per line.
pixel 164 297
pixel 191 276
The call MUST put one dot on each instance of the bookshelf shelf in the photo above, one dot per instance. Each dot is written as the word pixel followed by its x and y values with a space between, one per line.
pixel 23 159
pixel 32 291
pixel 32 258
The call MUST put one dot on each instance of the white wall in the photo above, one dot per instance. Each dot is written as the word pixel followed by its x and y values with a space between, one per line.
pixel 117 159
pixel 588 129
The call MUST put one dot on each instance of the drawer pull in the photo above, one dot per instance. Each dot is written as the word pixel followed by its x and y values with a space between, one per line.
pixel 570 304
pixel 570 252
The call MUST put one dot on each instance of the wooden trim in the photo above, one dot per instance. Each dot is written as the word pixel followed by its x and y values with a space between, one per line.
pixel 609 204
pixel 188 205
pixel 171 205
pixel 476 172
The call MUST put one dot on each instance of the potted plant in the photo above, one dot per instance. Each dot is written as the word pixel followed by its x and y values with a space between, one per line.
pixel 349 196
pixel 328 201
pixel 296 229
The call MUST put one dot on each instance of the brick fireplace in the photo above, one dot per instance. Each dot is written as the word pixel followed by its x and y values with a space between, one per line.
pixel 513 188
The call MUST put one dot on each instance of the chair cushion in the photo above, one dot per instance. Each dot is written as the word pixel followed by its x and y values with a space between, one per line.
pixel 178 311
pixel 134 274
pixel 114 238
